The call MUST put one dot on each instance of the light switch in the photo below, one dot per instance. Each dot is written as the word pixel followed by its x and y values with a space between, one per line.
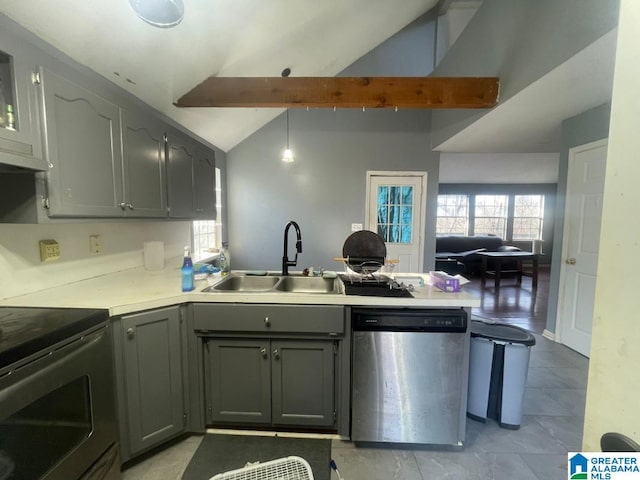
pixel 356 227
pixel 49 250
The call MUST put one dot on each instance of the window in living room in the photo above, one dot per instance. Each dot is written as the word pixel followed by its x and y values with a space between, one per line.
pixel 453 215
pixel 515 213
pixel 527 217
pixel 491 213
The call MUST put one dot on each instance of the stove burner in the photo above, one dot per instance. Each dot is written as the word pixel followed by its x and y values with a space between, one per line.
pixel 373 286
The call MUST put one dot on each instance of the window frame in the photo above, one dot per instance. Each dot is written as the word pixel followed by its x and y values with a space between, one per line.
pixel 548 191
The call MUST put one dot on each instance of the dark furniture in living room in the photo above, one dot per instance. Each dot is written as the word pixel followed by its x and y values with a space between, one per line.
pixel 459 254
pixel 514 259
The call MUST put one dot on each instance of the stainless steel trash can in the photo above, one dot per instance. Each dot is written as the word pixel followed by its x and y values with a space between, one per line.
pixel 498 365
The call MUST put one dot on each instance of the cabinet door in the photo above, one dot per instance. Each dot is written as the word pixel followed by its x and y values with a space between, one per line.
pixel 181 157
pixel 205 184
pixel 83 150
pixel 303 382
pixel 143 161
pixel 238 381
pixel 21 145
pixel 153 377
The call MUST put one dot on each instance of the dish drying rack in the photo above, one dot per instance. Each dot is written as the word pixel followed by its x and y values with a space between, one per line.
pixel 287 468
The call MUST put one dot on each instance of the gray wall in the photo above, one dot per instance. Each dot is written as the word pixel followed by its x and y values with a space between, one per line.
pixel 587 127
pixel 324 189
pixel 519 41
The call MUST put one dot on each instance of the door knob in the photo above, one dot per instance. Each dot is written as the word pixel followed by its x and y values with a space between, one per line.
pixel 570 261
pixel 263 352
pixel 130 332
pixel 276 354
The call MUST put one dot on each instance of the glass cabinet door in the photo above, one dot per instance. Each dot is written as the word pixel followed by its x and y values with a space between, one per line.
pixel 20 143
pixel 7 97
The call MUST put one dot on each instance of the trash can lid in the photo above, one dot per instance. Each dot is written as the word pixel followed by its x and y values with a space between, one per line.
pixel 501 332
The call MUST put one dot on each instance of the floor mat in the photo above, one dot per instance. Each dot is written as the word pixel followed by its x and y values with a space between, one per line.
pixel 221 453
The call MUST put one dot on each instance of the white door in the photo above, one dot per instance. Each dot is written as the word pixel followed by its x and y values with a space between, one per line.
pixel 583 215
pixel 395 210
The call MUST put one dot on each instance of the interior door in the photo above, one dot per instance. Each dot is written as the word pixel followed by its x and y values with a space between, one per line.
pixel 583 214
pixel 396 212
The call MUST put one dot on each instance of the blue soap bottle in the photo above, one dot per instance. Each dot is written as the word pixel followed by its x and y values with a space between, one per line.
pixel 187 271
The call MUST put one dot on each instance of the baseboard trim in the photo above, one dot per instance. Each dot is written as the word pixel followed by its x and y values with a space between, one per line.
pixel 548 334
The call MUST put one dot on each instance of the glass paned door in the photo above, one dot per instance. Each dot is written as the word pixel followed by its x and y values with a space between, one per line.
pixel 395 207
pixel 395 213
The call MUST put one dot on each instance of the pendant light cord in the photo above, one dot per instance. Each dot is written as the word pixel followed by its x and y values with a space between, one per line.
pixel 287 128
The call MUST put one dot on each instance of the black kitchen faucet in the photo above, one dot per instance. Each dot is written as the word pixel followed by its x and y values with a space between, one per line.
pixel 286 263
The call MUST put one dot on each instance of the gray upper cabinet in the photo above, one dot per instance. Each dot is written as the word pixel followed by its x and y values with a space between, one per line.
pixel 143 146
pixel 204 184
pixel 149 372
pixel 83 150
pixel 181 157
pixel 20 144
pixel 191 178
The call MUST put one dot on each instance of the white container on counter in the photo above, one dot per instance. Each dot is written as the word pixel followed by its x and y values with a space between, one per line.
pixel 153 254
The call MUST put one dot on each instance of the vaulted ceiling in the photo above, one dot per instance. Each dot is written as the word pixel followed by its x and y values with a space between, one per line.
pixel 216 37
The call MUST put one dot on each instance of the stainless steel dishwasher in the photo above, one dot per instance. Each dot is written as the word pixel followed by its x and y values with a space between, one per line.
pixel 410 374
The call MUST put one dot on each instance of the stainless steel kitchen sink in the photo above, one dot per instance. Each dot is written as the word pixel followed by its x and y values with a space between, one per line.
pixel 245 283
pixel 277 284
pixel 308 285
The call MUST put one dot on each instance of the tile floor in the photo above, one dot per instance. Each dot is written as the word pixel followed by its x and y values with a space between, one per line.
pixel 551 426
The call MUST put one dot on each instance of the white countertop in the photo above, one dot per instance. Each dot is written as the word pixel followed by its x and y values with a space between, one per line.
pixel 136 289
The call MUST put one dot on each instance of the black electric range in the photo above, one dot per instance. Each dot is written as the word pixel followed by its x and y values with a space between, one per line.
pixel 27 330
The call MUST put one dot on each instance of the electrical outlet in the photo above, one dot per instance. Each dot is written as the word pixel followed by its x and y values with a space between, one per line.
pixel 356 227
pixel 49 250
pixel 94 244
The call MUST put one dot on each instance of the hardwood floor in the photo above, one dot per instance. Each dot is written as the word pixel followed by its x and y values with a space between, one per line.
pixel 522 306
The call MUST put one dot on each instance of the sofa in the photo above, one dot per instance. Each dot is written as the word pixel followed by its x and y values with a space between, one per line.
pixel 459 254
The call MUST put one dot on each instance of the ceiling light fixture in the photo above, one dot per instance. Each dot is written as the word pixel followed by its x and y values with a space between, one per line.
pixel 287 157
pixel 159 13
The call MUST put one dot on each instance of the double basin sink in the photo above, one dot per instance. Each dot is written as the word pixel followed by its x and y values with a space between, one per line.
pixel 282 283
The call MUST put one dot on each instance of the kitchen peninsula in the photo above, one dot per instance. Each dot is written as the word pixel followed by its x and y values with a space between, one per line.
pixel 283 360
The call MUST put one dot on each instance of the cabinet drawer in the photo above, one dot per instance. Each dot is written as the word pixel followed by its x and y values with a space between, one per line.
pixel 268 318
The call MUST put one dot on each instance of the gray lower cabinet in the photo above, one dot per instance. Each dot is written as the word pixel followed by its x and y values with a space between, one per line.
pixel 83 149
pixel 282 382
pixel 150 378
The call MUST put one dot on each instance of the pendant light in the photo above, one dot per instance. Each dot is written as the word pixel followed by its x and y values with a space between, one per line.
pixel 159 13
pixel 287 157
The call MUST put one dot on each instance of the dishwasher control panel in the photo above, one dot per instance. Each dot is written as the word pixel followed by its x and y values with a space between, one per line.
pixel 428 320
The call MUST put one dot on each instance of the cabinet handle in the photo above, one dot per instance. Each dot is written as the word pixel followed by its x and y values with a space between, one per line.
pixel 570 261
pixel 267 322
pixel 263 351
pixel 130 332
pixel 130 206
pixel 276 354
pixel 122 205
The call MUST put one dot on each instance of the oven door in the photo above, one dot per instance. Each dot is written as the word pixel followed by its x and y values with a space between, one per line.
pixel 57 412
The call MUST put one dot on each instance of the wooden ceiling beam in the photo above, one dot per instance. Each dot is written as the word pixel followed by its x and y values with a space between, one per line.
pixel 344 92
